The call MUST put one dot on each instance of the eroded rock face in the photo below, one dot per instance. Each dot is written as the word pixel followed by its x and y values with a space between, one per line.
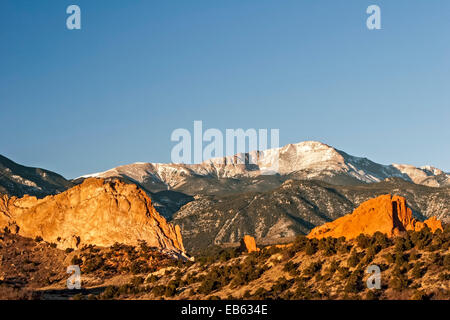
pixel 95 212
pixel 248 244
pixel 387 214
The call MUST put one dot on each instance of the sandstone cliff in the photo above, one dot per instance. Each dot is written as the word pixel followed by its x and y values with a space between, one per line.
pixel 387 214
pixel 95 212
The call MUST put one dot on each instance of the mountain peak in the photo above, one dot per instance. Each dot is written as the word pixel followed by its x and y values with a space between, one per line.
pixel 304 160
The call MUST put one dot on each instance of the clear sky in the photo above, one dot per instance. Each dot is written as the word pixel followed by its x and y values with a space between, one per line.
pixel 83 101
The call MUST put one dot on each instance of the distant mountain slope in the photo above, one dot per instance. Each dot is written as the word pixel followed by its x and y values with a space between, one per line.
pixel 308 160
pixel 18 180
pixel 96 212
pixel 294 208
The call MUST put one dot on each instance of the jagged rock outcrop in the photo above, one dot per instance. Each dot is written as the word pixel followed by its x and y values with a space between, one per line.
pixel 95 212
pixel 387 214
pixel 17 180
pixel 248 244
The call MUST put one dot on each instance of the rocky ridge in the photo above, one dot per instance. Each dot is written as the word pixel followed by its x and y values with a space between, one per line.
pixel 305 160
pixel 386 214
pixel 96 212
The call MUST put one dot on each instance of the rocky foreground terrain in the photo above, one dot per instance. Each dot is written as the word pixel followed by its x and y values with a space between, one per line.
pixel 413 257
pixel 413 266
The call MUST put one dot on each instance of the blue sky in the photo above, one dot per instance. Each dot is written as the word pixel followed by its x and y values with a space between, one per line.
pixel 87 100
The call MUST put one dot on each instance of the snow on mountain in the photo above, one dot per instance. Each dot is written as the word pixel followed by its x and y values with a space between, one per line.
pixel 305 160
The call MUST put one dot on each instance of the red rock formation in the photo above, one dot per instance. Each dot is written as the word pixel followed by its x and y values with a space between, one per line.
pixel 387 214
pixel 248 244
pixel 95 212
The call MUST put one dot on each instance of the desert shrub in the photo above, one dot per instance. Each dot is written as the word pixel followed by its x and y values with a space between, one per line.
pixel 38 239
pixel 354 282
pixel 402 244
pixel 260 294
pixel 414 255
pixel 267 252
pixel 93 264
pixel 398 282
pixel 216 253
pixel 287 254
pixel 153 278
pixel 344 248
pixel 228 254
pixel 422 238
pixel 417 271
pixel 389 257
pixel 220 276
pixel 446 261
pixel 171 290
pixel 76 261
pixel 444 277
pixel 302 292
pixel 247 294
pixel 78 296
pixel 139 266
pixel 419 295
pixel 400 258
pixel 310 248
pixel 191 278
pixel 158 290
pixel 137 281
pixel 280 286
pixel 247 272
pixel 381 239
pixel 362 241
pixel 291 268
pixel 354 259
pixel 437 259
pixel 328 245
pixel 370 254
pixel 344 272
pixel 68 250
pixel 300 243
pixel 373 295
pixel 127 289
pixel 333 267
pixel 208 285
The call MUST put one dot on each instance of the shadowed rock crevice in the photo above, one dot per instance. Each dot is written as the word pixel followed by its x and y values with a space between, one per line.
pixel 386 214
pixel 95 212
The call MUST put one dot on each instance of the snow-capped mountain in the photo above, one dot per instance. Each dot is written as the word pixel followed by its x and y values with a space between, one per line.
pixel 309 160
